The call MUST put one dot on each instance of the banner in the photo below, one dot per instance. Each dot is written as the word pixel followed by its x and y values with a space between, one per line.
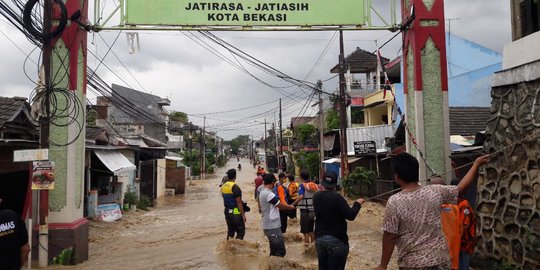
pixel 43 175
pixel 109 212
pixel 245 12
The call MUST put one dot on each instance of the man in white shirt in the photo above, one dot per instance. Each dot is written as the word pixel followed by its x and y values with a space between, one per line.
pixel 271 224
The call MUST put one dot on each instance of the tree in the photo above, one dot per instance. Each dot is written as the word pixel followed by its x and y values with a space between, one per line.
pixel 91 117
pixel 332 119
pixel 305 132
pixel 308 161
pixel 179 116
pixel 238 142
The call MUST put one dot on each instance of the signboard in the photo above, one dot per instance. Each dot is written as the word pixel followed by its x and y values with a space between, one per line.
pixel 30 155
pixel 43 175
pixel 364 147
pixel 109 212
pixel 245 12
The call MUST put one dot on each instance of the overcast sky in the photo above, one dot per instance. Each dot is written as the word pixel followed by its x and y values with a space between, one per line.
pixel 174 65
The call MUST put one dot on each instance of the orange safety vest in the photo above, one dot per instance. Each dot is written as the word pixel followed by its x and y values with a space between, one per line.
pixel 468 221
pixel 452 228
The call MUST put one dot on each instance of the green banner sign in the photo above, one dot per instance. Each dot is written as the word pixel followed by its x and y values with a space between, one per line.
pixel 245 12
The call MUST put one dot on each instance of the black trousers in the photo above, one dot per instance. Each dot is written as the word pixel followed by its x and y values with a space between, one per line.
pixel 283 215
pixel 235 224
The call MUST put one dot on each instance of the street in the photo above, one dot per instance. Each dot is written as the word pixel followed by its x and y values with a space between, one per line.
pixel 188 232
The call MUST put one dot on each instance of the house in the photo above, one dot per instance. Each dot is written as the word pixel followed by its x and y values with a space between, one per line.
pixel 471 67
pixel 18 131
pixel 370 104
pixel 131 112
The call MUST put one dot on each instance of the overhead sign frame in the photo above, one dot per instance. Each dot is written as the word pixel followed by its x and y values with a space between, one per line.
pixel 243 15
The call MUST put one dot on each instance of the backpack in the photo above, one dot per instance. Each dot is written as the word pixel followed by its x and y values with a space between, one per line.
pixel 468 221
pixel 287 195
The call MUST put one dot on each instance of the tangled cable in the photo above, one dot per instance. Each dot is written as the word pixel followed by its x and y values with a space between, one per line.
pixel 37 31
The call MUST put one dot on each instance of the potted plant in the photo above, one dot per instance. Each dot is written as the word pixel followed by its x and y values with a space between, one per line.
pixel 131 199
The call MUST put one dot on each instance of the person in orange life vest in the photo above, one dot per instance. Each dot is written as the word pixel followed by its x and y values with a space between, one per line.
pixel 451 226
pixel 283 194
pixel 234 208
pixel 293 193
pixel 468 237
pixel 305 203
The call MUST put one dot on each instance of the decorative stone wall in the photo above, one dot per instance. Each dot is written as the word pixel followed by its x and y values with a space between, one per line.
pixel 509 188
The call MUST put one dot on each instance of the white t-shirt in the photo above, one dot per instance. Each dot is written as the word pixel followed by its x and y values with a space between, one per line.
pixel 270 213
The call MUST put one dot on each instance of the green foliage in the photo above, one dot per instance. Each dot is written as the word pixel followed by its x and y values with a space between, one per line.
pixel 332 119
pixel 131 198
pixel 196 170
pixel 304 132
pixel 91 116
pixel 238 142
pixel 178 116
pixel 210 159
pixel 308 161
pixel 222 160
pixel 358 182
pixel 191 158
pixel 144 203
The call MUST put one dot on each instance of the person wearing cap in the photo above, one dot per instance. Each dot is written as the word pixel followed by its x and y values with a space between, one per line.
pixel 331 215
pixel 269 206
pixel 14 246
pixel 234 208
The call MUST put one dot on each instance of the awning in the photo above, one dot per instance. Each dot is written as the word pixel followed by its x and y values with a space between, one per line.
pixel 371 105
pixel 115 162
pixel 174 158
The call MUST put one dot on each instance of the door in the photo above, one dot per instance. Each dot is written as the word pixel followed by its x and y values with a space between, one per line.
pixel 148 178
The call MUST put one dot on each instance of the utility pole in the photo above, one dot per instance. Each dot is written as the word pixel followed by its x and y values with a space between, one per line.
pixel 201 147
pixel 43 237
pixel 265 137
pixel 280 137
pixel 321 130
pixel 342 110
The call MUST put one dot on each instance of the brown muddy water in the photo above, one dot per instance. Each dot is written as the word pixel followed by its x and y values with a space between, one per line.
pixel 188 231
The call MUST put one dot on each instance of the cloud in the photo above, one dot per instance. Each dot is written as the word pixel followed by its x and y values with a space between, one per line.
pixel 177 65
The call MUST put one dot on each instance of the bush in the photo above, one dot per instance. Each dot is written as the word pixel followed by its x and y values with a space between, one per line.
pixel 131 198
pixel 196 170
pixel 144 203
pixel 358 182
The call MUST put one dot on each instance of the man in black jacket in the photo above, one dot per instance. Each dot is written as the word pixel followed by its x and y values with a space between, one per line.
pixel 331 213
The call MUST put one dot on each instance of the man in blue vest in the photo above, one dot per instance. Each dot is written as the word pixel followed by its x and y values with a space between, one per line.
pixel 234 210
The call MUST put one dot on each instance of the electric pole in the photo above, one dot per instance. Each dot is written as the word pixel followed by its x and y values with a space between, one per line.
pixel 280 131
pixel 342 112
pixel 321 128
pixel 265 137
pixel 43 237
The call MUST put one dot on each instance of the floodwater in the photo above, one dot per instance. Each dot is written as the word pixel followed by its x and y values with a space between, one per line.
pixel 188 231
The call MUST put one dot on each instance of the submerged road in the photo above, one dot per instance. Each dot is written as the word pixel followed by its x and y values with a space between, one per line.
pixel 188 231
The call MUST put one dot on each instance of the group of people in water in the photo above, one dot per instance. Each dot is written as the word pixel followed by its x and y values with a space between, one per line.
pixel 412 219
